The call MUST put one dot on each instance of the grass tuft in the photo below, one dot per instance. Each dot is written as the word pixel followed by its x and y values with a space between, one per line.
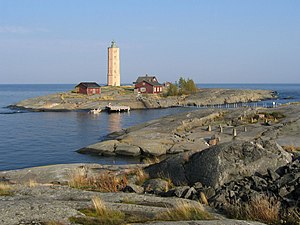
pixel 185 211
pixel 261 209
pixel 141 176
pixel 54 223
pixel 291 148
pixel 32 183
pixel 100 215
pixel 5 189
pixel 152 160
pixel 203 198
pixel 104 182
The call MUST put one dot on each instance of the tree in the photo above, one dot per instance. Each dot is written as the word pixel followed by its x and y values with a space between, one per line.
pixel 172 90
pixel 181 82
pixel 187 86
pixel 191 86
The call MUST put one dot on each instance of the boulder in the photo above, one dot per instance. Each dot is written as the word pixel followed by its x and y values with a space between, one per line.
pixel 181 191
pixel 225 162
pixel 101 148
pixel 133 188
pixel 156 185
pixel 190 193
pixel 284 188
pixel 127 150
pixel 171 167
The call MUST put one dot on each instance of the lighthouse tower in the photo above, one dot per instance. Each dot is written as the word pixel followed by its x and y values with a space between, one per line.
pixel 113 73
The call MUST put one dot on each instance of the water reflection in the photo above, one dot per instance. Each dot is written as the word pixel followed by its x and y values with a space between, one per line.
pixel 114 122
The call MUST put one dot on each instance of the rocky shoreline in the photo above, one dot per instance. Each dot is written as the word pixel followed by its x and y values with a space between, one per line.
pixel 226 159
pixel 199 129
pixel 69 101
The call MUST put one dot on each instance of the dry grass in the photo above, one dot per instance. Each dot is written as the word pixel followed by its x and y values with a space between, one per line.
pixel 185 211
pixel 203 198
pixel 152 160
pixel 291 217
pixel 100 214
pixel 261 209
pixel 104 182
pixel 169 185
pixel 5 189
pixel 141 176
pixel 54 223
pixel 32 183
pixel 100 207
pixel 291 148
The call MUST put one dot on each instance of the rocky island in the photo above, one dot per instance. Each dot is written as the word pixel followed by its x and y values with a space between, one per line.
pixel 222 165
pixel 125 95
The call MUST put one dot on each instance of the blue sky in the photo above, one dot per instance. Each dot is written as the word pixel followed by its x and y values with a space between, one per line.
pixel 219 41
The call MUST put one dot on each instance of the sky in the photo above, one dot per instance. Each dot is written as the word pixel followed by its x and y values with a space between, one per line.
pixel 219 41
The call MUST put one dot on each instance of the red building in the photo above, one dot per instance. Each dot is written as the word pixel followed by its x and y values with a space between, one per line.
pixel 148 84
pixel 88 88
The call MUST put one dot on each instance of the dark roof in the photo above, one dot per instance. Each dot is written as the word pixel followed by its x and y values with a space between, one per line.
pixel 149 79
pixel 89 84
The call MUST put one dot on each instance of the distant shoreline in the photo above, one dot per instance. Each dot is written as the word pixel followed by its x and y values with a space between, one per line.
pixel 68 101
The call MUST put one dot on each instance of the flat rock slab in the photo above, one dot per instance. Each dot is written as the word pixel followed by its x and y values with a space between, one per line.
pixel 188 131
pixel 204 222
pixel 44 203
pixel 59 174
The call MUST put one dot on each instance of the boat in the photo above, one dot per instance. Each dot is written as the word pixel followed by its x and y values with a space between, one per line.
pixel 95 111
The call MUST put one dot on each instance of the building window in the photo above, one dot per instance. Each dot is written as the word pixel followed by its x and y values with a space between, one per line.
pixel 142 89
pixel 144 83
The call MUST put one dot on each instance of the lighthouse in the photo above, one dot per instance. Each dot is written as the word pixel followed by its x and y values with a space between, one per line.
pixel 113 73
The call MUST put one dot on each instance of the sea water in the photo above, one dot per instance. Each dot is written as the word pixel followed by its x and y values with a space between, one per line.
pixel 41 138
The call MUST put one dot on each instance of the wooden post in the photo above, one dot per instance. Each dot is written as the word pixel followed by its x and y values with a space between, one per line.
pixel 209 128
pixel 245 129
pixel 234 132
pixel 221 128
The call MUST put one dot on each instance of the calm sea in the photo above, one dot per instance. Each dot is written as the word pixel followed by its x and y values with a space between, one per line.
pixel 41 138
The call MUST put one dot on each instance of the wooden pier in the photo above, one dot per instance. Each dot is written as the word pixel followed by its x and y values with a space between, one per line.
pixel 117 108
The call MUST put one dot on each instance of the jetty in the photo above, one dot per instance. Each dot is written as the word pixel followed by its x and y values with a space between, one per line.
pixel 117 108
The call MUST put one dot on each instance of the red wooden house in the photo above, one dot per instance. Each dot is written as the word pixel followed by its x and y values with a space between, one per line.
pixel 88 88
pixel 148 84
